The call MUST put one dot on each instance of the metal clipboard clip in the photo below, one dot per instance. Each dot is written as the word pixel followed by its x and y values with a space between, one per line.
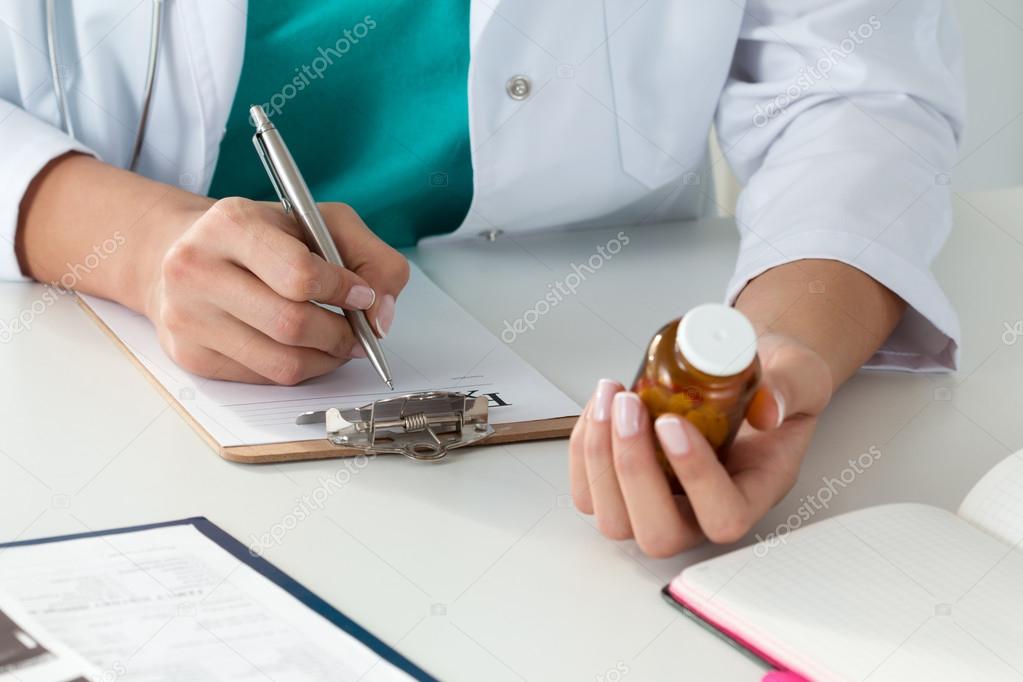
pixel 420 426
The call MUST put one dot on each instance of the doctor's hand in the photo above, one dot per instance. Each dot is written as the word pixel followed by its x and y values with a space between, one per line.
pixel 230 295
pixel 616 476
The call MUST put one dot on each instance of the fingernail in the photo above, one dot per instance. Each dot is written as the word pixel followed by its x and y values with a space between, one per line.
pixel 626 411
pixel 385 315
pixel 357 351
pixel 779 400
pixel 602 400
pixel 672 435
pixel 360 297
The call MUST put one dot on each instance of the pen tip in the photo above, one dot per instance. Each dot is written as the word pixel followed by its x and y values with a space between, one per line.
pixel 390 384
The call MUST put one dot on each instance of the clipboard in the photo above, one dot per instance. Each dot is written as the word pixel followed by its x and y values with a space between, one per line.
pixel 313 449
pixel 275 575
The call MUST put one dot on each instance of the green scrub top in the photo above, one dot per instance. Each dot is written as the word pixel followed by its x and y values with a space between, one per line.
pixel 372 99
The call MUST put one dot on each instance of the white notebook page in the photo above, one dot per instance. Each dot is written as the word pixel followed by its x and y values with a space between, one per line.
pixel 433 345
pixel 170 604
pixel 995 504
pixel 887 593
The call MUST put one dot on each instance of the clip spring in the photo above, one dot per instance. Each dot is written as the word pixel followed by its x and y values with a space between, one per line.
pixel 420 426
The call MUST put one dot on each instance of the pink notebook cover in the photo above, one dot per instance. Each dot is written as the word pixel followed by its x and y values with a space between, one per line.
pixel 788 670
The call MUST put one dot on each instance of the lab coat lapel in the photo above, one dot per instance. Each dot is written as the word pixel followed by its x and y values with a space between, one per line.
pixel 480 14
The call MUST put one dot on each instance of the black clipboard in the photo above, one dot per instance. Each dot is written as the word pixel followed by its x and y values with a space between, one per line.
pixel 268 571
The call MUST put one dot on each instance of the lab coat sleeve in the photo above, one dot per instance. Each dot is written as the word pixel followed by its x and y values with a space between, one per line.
pixel 28 145
pixel 842 121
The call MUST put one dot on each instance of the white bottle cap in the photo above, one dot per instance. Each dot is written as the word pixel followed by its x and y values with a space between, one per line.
pixel 716 339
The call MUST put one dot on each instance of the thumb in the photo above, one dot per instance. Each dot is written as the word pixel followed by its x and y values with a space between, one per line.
pixel 795 381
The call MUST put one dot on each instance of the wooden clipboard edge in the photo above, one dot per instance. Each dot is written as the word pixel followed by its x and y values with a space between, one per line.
pixel 517 432
pixel 296 451
pixel 161 389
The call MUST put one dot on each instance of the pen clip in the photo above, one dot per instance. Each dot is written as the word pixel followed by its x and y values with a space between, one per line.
pixel 275 180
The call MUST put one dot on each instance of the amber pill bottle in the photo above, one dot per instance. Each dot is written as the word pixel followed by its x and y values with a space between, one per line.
pixel 704 367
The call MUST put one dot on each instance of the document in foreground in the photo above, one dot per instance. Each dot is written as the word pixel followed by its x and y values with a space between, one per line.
pixel 168 603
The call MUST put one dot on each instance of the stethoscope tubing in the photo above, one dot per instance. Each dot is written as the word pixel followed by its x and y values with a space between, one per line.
pixel 147 94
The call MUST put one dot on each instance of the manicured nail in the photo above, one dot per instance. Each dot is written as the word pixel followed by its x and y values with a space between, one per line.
pixel 357 351
pixel 360 297
pixel 602 400
pixel 385 315
pixel 672 435
pixel 626 412
pixel 779 400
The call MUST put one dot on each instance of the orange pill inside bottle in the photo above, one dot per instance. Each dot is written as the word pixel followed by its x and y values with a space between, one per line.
pixel 703 367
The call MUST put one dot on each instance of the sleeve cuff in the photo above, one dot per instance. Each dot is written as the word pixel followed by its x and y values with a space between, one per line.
pixel 927 337
pixel 29 144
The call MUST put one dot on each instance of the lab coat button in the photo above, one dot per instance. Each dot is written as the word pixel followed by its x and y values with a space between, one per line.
pixel 518 87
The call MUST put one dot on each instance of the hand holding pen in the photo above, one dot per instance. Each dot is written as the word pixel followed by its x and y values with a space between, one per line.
pixel 232 281
pixel 231 297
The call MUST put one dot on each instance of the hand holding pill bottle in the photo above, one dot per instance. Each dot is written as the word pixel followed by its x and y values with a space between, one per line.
pixel 703 367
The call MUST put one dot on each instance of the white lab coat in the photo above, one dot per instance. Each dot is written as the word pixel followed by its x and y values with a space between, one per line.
pixel 841 119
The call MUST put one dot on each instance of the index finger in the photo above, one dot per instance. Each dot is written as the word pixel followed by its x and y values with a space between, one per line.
pixel 285 263
pixel 579 484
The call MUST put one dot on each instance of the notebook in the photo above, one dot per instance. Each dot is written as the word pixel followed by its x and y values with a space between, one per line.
pixel 894 592
pixel 181 600
pixel 433 345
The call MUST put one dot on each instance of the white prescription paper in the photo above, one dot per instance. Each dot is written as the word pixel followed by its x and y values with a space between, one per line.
pixel 433 345
pixel 30 654
pixel 170 604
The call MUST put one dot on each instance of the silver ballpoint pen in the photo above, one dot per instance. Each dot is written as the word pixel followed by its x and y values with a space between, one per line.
pixel 298 201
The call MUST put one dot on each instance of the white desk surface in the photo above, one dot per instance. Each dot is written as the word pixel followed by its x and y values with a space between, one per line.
pixel 480 568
